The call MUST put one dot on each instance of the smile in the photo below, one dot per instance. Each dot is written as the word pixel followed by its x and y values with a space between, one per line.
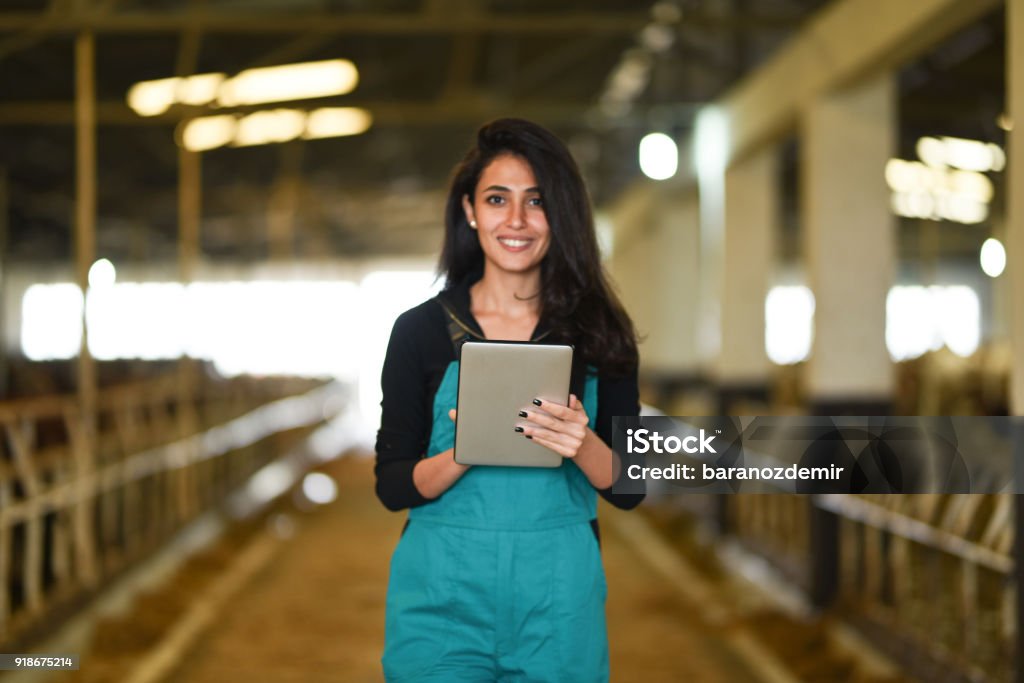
pixel 511 243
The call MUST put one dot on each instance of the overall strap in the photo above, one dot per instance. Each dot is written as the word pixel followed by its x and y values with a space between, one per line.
pixel 458 331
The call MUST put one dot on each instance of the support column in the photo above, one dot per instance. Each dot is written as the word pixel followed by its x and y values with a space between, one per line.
pixel 656 265
pixel 751 217
pixel 672 280
pixel 189 211
pixel 849 245
pixel 4 388
pixel 85 253
pixel 1015 273
pixel 1015 198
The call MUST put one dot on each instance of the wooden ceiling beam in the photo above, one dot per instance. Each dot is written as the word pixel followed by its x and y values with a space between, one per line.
pixel 447 111
pixel 420 23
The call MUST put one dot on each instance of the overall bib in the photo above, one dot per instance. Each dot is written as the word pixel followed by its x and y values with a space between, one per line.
pixel 499 579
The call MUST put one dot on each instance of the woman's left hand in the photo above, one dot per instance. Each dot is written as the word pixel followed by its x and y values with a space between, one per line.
pixel 561 429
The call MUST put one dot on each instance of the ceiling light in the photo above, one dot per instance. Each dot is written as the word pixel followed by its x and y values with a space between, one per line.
pixel 289 82
pixel 150 98
pixel 993 257
pixel 336 121
pixel 199 89
pixel 208 132
pixel 275 125
pixel 659 156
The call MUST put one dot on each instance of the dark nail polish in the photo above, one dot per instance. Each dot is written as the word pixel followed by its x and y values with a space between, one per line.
pixel 528 436
pixel 536 401
pixel 522 413
pixel 519 429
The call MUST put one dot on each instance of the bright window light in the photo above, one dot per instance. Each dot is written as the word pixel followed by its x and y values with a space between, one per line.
pixel 789 324
pixel 51 321
pixel 659 156
pixel 136 320
pixel 383 296
pixel 959 319
pixel 921 319
pixel 993 257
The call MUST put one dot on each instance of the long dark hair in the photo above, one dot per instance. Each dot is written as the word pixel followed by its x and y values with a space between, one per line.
pixel 577 302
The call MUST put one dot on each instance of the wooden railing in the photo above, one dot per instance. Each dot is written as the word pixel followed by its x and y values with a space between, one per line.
pixel 82 497
pixel 930 578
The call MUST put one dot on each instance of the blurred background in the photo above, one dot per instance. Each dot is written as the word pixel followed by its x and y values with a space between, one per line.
pixel 211 212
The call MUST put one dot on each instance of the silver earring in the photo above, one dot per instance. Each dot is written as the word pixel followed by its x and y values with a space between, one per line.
pixel 472 224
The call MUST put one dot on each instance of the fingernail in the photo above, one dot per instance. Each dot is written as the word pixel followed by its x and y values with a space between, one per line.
pixel 528 436
pixel 536 401
pixel 522 413
pixel 519 429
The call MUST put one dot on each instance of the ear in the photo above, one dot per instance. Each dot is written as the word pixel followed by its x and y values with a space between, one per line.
pixel 468 208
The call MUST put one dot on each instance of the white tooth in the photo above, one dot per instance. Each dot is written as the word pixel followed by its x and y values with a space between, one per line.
pixel 515 243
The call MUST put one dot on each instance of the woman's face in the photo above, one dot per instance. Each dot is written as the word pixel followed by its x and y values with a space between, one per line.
pixel 509 215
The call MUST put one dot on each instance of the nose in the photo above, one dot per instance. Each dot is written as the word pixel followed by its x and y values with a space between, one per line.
pixel 516 216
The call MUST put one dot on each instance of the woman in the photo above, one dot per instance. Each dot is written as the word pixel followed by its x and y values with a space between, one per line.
pixel 498 573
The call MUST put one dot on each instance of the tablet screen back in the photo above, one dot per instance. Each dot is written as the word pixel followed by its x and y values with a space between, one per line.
pixel 496 381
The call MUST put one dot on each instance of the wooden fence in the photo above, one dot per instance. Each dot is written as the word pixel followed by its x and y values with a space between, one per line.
pixel 82 497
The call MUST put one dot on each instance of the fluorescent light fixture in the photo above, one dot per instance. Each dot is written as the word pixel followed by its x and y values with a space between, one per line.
pixel 967 155
pixel 252 86
pixel 274 125
pixel 331 122
pixel 659 156
pixel 264 127
pixel 150 98
pixel 208 132
pixel 289 82
pixel 199 89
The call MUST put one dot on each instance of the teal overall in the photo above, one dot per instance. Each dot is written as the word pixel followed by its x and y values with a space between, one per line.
pixel 500 578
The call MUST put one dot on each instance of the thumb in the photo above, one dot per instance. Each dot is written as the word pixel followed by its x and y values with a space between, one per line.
pixel 451 414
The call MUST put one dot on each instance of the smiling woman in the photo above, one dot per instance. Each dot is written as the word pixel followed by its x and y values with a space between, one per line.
pixel 498 575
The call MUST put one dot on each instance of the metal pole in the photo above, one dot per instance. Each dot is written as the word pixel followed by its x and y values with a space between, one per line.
pixel 85 254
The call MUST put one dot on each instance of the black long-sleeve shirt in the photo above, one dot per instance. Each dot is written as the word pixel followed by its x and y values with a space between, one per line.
pixel 418 355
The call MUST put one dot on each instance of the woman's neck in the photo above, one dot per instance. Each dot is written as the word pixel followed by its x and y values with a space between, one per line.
pixel 506 305
pixel 507 294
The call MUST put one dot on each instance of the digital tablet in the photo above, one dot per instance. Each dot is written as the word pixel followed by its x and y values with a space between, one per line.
pixel 496 381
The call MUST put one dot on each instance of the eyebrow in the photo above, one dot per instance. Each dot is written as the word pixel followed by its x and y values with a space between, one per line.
pixel 502 188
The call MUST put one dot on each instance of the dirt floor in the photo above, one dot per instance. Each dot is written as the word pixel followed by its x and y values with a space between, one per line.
pixel 315 611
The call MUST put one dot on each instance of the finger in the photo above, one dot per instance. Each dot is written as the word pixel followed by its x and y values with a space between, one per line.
pixel 537 420
pixel 574 415
pixel 569 441
pixel 451 414
pixel 552 445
